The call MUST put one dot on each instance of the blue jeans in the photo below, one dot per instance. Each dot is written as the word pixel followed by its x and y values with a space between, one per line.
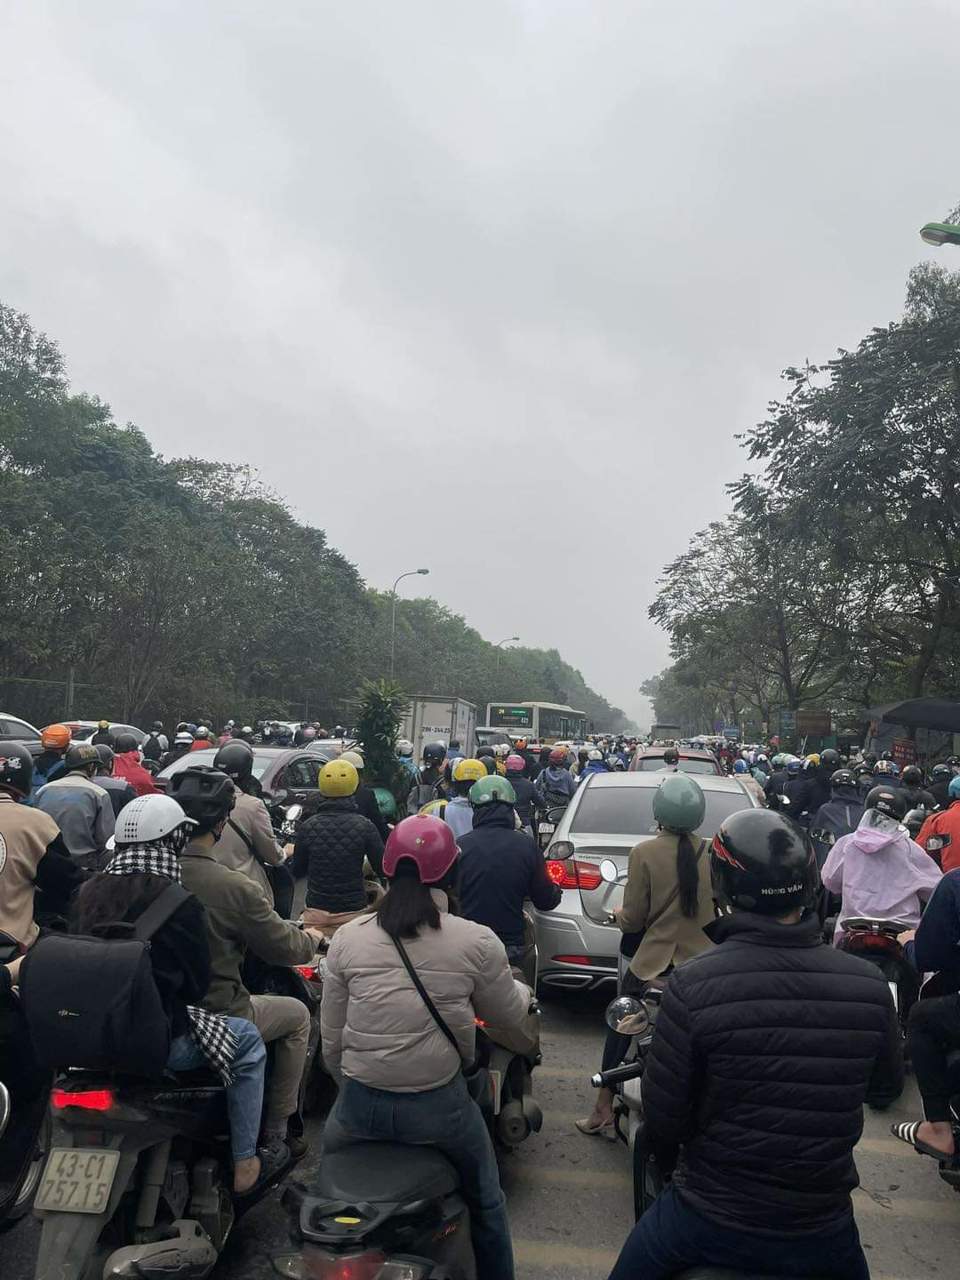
pixel 670 1237
pixel 448 1119
pixel 245 1094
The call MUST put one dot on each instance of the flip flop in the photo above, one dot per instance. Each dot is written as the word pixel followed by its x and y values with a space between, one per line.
pixel 907 1132
pixel 592 1129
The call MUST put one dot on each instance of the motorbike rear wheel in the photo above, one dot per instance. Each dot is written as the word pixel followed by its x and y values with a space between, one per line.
pixel 647 1179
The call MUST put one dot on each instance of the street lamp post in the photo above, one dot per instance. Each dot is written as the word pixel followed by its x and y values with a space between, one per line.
pixel 497 646
pixel 940 233
pixel 412 573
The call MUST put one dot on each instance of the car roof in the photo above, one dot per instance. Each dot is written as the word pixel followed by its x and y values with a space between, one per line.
pixel 685 753
pixel 705 781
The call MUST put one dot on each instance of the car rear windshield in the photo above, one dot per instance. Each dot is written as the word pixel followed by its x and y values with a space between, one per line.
pixel 260 762
pixel 652 764
pixel 628 811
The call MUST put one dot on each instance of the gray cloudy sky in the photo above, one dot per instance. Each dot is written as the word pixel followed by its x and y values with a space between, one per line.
pixel 437 265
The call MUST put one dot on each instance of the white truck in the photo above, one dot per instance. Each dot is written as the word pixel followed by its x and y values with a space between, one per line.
pixel 434 719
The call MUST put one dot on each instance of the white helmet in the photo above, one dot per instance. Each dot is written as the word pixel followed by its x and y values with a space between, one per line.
pixel 594 754
pixel 354 758
pixel 502 749
pixel 149 818
pixel 404 747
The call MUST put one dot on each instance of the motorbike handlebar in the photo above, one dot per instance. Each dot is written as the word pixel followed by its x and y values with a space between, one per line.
pixel 617 1075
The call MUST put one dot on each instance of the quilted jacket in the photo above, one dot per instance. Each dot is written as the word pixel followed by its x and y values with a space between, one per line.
pixel 330 849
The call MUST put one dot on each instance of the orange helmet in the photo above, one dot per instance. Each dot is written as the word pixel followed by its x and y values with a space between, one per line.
pixel 55 737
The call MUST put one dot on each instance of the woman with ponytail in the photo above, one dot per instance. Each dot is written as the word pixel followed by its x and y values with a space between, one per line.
pixel 667 900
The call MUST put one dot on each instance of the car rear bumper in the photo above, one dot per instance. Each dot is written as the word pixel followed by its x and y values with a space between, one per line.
pixel 560 933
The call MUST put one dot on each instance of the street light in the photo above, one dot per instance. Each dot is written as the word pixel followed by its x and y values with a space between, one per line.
pixel 412 573
pixel 508 640
pixel 940 233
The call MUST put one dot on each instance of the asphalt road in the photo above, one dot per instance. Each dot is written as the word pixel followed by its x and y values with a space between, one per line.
pixel 570 1196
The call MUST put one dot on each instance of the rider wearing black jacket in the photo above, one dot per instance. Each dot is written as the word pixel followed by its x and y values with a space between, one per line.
pixel 765 1049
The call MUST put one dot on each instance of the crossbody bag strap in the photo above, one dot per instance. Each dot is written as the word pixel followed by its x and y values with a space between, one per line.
pixel 159 911
pixel 425 997
pixel 673 894
pixel 244 837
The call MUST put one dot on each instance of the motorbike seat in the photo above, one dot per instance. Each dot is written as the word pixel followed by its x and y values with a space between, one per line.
pixel 723 1273
pixel 385 1173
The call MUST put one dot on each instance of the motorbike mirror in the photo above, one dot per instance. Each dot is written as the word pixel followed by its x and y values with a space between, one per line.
pixel 294 813
pixel 627 1016
pixel 609 870
pixel 562 849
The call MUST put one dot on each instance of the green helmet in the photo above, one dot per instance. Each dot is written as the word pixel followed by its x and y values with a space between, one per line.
pixel 492 788
pixel 386 802
pixel 678 803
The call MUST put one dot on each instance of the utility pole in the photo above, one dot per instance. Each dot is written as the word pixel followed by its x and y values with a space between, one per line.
pixel 68 710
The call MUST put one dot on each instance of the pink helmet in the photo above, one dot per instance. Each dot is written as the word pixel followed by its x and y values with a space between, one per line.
pixel 427 841
pixel 515 763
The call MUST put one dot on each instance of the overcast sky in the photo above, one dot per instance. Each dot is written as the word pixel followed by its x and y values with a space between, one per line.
pixel 477 284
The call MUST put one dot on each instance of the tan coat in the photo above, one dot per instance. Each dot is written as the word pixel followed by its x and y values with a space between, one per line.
pixel 250 815
pixel 375 1026
pixel 651 879
pixel 25 835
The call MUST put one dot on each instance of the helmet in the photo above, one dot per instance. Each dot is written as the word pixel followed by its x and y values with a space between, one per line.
pixel 404 747
pixel 671 756
pixel 953 762
pixel 485 751
pixel 469 771
pixel 354 758
pixel 941 773
pixel 763 862
pixel 81 755
pixel 594 754
pixel 739 766
pixel 125 742
pixel 501 750
pixel 830 759
pixel 103 724
pixel 516 764
pixel 149 818
pixel 235 759
pixel 558 756
pixel 158 726
pixel 338 778
pixel 106 758
pixel 434 753
pixel 520 744
pixel 491 790
pixel 953 791
pixel 885 769
pixel 55 737
pixel 386 802
pixel 16 768
pixel 887 800
pixel 426 841
pixel 309 732
pixel 870 757
pixel 912 776
pixel 843 780
pixel 678 803
pixel 183 739
pixel 864 770
pixel 434 808
pixel 794 766
pixel 914 820
pixel 201 731
pixel 206 795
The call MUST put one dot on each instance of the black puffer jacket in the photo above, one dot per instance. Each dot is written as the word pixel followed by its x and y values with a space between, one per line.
pixel 499 868
pixel 330 848
pixel 765 1048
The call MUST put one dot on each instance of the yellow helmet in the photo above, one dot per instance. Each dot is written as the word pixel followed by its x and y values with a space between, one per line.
pixel 813 757
pixel 434 808
pixel 469 771
pixel 338 778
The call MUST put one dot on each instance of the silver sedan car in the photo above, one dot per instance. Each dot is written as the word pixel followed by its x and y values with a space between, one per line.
pixel 587 857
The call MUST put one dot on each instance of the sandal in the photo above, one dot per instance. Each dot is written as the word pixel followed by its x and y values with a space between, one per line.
pixel 591 1126
pixel 907 1132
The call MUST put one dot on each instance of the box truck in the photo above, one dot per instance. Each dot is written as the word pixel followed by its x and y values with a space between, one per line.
pixel 434 719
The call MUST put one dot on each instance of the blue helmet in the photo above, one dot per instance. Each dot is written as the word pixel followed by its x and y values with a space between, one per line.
pixel 953 790
pixel 794 767
pixel 739 766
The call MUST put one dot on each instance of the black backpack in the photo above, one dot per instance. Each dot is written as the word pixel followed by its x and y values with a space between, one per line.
pixel 92 1002
pixel 151 749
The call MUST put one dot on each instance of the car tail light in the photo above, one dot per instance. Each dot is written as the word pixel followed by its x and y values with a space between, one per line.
pixel 89 1100
pixel 570 874
pixel 573 959
pixel 354 1266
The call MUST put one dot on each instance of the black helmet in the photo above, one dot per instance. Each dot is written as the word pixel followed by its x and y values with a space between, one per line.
pixel 829 760
pixel 865 770
pixel 888 800
pixel 870 757
pixel 912 776
pixel 434 753
pixel 671 756
pixel 914 820
pixel 953 761
pixel 235 759
pixel 843 780
pixel 763 862
pixel 125 742
pixel 941 773
pixel 80 755
pixel 16 768
pixel 106 758
pixel 206 795
pixel 489 751
pixel 158 726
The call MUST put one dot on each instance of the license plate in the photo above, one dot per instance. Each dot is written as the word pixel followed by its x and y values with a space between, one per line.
pixel 547 826
pixel 77 1180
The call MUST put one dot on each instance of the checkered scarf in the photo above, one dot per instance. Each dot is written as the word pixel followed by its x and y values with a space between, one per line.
pixel 210 1030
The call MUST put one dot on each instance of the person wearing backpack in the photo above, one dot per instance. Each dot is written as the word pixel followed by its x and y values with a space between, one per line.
pixel 427 778
pixel 151 834
pixel 155 745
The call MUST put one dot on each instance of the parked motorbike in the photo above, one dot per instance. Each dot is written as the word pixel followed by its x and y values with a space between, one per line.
pixel 876 941
pixel 138 1181
pixel 24 1111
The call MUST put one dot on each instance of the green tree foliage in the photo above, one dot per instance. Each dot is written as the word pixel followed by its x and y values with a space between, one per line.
pixel 380 712
pixel 175 587
pixel 836 580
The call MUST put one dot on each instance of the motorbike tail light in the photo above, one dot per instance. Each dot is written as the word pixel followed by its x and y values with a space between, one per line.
pixel 320 1265
pixel 307 971
pixel 88 1100
pixel 869 942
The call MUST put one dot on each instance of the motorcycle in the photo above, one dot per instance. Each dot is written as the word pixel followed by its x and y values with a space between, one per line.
pixel 24 1111
pixel 138 1179
pixel 876 941
pixel 548 823
pixel 935 986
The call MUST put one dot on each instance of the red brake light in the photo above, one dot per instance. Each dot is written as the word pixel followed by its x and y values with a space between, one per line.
pixel 90 1100
pixel 571 874
pixel 307 971
pixel 356 1266
pixel 588 875
pixel 574 959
